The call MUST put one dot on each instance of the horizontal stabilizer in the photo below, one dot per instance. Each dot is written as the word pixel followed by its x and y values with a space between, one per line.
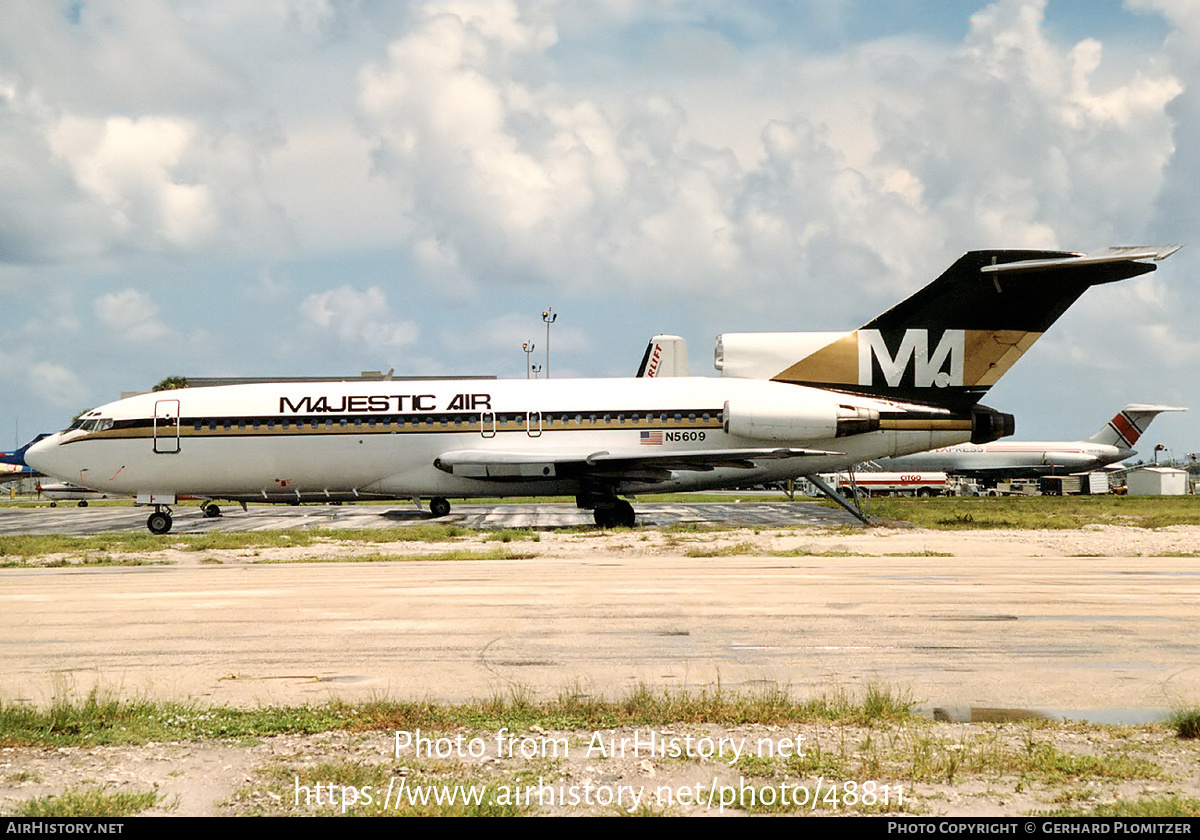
pixel 1125 253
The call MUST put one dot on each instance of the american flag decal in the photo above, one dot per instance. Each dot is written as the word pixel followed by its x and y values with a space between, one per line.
pixel 651 438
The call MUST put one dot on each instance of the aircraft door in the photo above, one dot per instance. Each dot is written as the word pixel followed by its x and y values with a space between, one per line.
pixel 533 423
pixel 166 427
pixel 487 424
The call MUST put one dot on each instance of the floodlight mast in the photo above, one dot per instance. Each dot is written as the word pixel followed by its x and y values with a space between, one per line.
pixel 549 318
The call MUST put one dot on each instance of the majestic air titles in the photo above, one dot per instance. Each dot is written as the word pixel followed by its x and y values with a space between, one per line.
pixel 382 403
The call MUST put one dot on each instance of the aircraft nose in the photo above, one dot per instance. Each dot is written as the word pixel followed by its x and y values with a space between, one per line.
pixel 42 456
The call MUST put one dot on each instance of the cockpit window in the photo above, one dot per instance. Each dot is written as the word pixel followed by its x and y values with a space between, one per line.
pixel 94 424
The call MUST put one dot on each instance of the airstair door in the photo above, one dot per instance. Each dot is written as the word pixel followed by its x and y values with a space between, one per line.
pixel 166 427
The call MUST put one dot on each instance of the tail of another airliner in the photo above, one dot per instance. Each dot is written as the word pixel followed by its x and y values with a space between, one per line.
pixel 666 355
pixel 17 458
pixel 950 342
pixel 1129 424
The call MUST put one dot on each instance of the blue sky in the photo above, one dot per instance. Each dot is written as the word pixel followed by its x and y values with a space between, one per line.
pixel 305 187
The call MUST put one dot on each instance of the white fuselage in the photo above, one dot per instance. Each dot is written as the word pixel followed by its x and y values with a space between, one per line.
pixel 364 439
pixel 1004 457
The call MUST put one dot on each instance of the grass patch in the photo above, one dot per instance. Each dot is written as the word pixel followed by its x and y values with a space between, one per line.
pixel 741 548
pixel 1048 764
pixel 513 534
pixel 89 560
pixel 363 790
pixel 866 735
pixel 1186 723
pixel 97 720
pixel 804 551
pixel 35 545
pixel 697 528
pixel 1165 806
pixel 88 802
pixel 1056 512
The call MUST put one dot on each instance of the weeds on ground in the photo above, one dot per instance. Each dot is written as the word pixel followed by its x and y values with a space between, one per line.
pixel 100 720
pixel 1185 722
pixel 88 802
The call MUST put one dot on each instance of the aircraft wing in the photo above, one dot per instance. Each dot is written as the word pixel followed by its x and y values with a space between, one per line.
pixel 634 464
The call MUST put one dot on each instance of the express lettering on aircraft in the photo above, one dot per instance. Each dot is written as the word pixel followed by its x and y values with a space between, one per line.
pixel 381 403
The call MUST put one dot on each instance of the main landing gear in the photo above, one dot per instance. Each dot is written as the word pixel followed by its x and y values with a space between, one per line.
pixel 439 506
pixel 615 514
pixel 159 522
pixel 606 508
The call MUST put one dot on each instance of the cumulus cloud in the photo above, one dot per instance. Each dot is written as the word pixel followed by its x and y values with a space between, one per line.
pixel 131 316
pixel 1016 141
pixel 131 167
pixel 56 385
pixel 132 138
pixel 360 318
pixel 1009 139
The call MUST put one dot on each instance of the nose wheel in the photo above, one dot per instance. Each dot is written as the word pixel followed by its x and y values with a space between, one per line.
pixel 159 522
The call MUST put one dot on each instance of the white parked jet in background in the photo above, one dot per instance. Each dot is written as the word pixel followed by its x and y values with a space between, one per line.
pixel 60 491
pixel 908 381
pixel 1021 459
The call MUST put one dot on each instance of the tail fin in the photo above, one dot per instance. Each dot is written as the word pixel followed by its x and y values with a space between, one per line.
pixel 1129 424
pixel 17 458
pixel 950 342
pixel 666 355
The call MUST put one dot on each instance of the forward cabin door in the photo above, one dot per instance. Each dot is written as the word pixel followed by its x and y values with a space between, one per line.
pixel 166 427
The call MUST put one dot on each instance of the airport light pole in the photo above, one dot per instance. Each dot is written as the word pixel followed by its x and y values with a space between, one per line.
pixel 549 319
pixel 528 348
pixel 536 370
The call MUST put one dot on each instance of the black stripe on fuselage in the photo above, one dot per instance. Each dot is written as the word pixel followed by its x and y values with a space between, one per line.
pixel 431 423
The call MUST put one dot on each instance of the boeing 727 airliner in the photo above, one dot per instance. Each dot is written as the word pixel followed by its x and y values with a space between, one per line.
pixel 786 405
pixel 1113 443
